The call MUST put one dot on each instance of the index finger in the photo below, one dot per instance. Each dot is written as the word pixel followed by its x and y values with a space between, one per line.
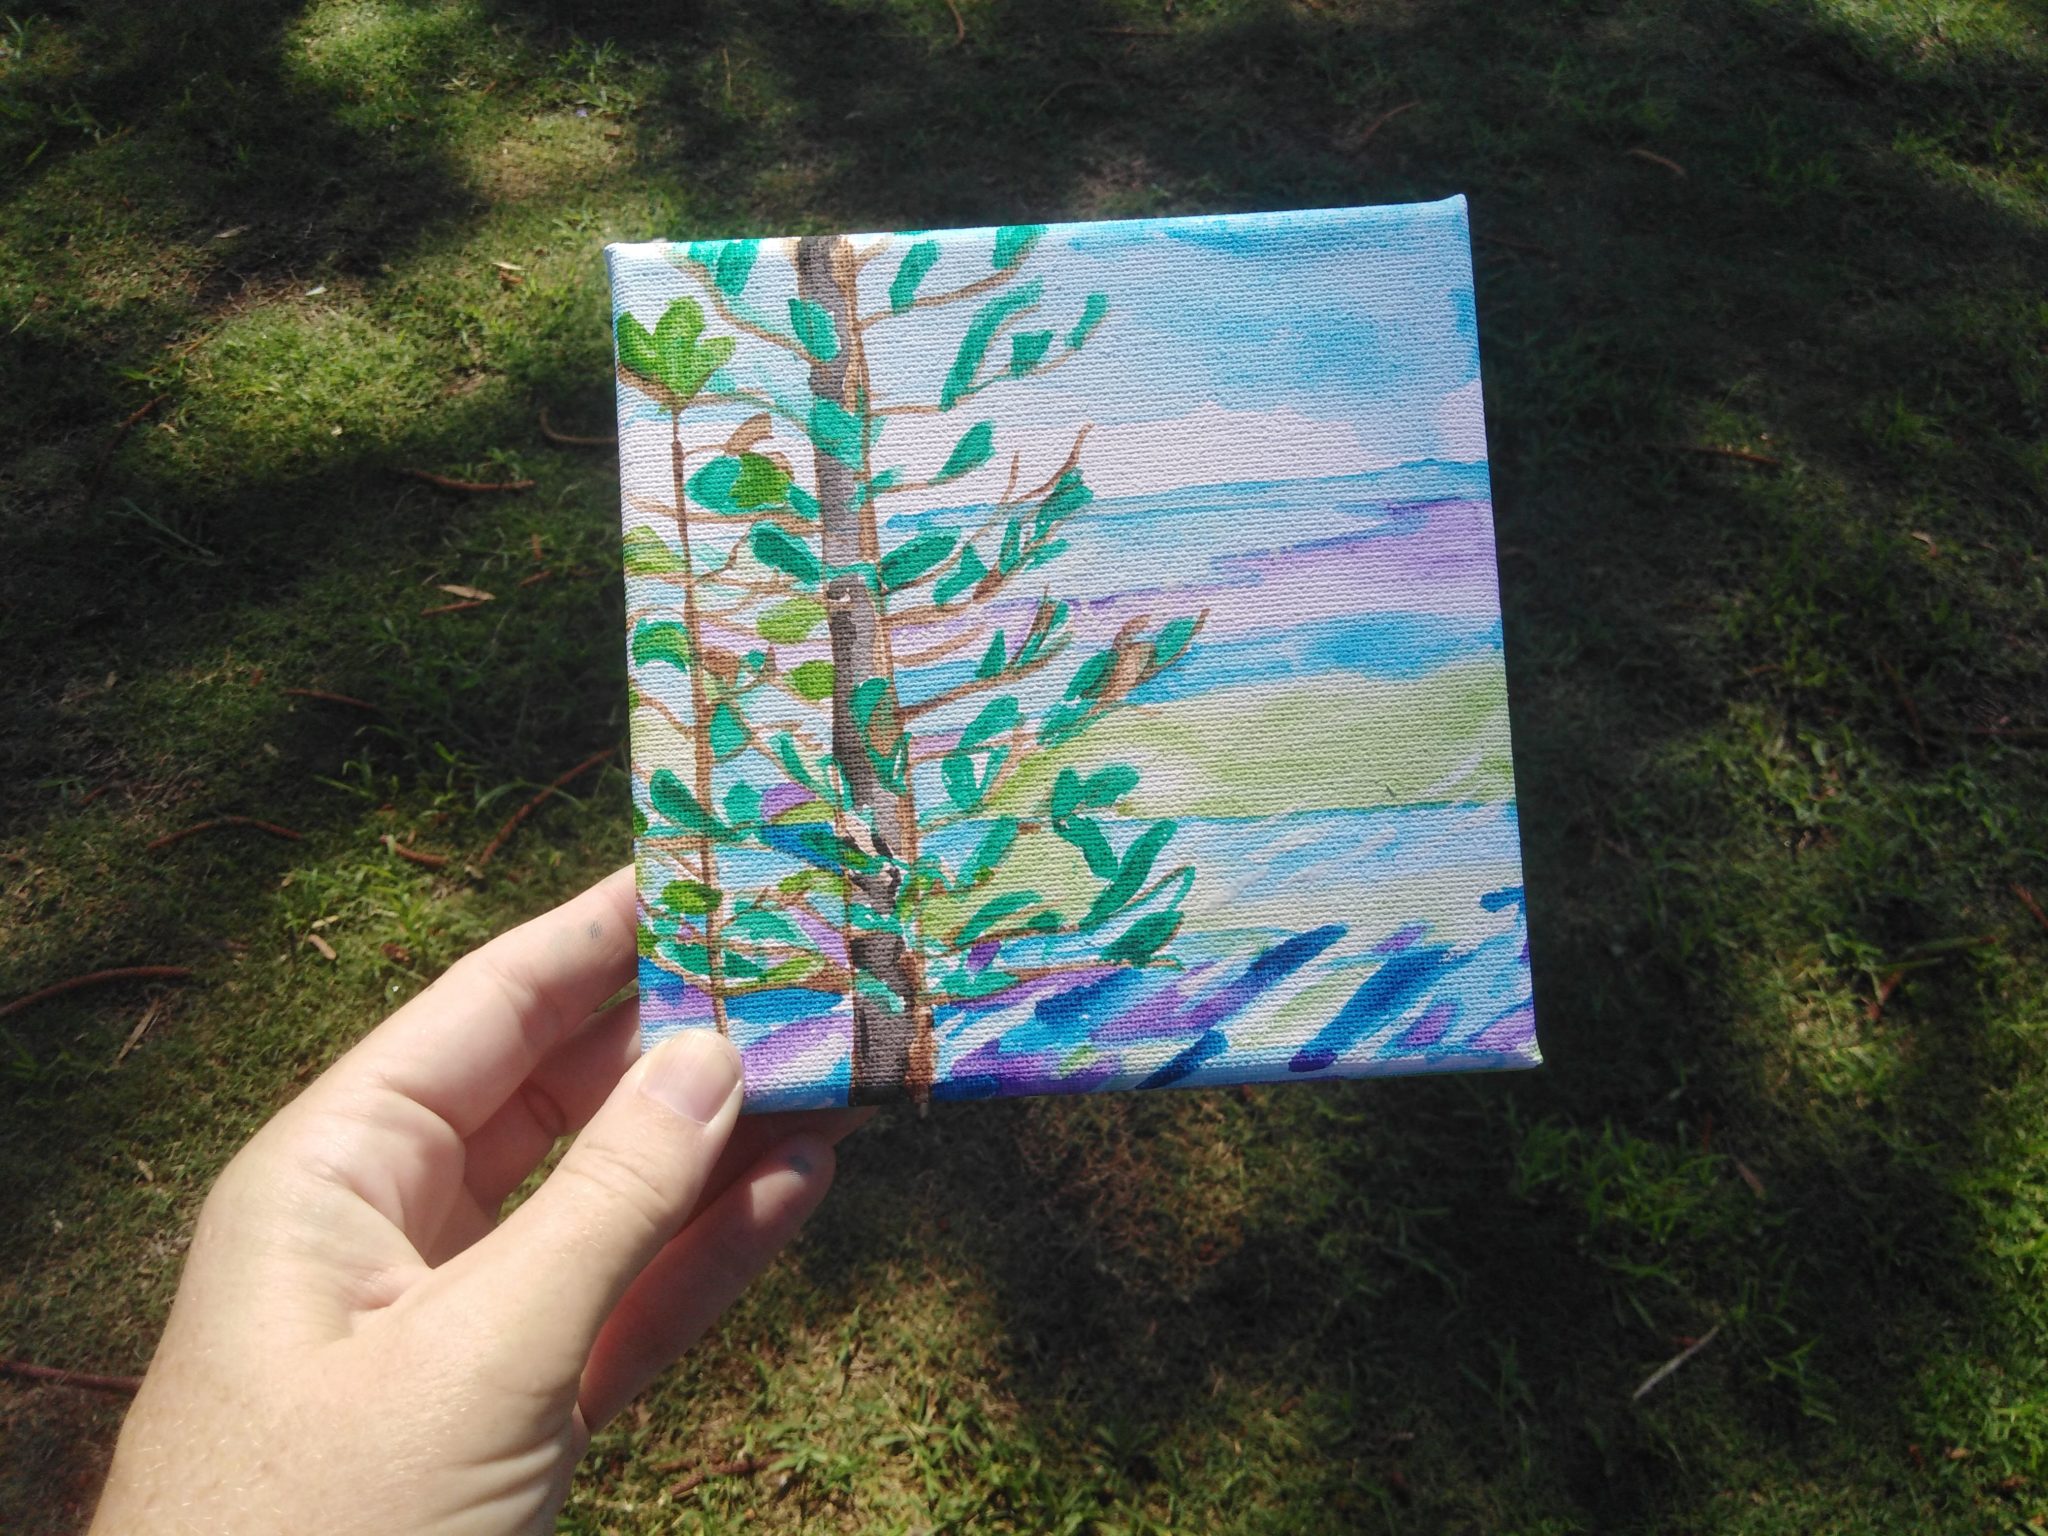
pixel 462 1047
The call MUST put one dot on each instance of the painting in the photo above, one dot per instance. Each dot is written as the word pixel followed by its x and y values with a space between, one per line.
pixel 1068 658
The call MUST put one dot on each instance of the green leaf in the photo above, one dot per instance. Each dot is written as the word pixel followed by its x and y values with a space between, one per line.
pixel 1173 639
pixel 835 431
pixel 673 799
pixel 1130 878
pixel 1108 785
pixel 902 566
pixel 635 346
pixel 775 548
pixel 1047 921
pixel 917 261
pixel 995 844
pixel 764 923
pixel 1066 794
pixel 1013 244
pixel 993 660
pixel 967 573
pixel 1013 545
pixel 992 912
pixel 694 958
pixel 1027 350
pixel 1144 938
pixel 996 716
pixel 970 453
pixel 1094 674
pixel 1068 495
pixel 803 503
pixel 743 804
pixel 814 328
pixel 729 733
pixel 735 265
pixel 790 621
pixel 1085 835
pixel 963 785
pixel 648 554
pixel 799 770
pixel 866 699
pixel 812 680
pixel 662 640
pixel 1092 313
pixel 674 355
pixel 1063 723
pixel 746 483
pixel 692 898
pixel 739 968
pixel 980 332
pixel 963 984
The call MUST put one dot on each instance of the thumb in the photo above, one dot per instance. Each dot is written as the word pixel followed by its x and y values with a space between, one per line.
pixel 550 1275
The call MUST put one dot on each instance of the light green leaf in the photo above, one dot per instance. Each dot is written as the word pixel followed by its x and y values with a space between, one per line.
pixel 692 898
pixel 662 640
pixel 917 261
pixel 812 680
pixel 814 328
pixel 970 453
pixel 647 554
pixel 790 621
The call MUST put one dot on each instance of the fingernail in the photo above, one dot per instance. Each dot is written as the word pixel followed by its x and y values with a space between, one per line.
pixel 693 1074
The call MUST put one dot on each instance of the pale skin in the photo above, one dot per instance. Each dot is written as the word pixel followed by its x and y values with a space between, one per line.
pixel 360 1344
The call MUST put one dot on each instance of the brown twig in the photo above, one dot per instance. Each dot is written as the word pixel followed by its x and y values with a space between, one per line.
pixel 1874 1009
pixel 84 1381
pixel 1664 162
pixel 330 698
pixel 224 821
pixel 562 439
pixel 959 23
pixel 99 469
pixel 740 1466
pixel 414 855
pixel 94 978
pixel 554 787
pixel 2027 900
pixel 93 794
pixel 536 578
pixel 474 602
pixel 1713 451
pixel 1381 121
pixel 467 487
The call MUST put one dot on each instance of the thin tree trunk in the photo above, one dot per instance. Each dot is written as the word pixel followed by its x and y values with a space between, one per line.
pixel 893 1053
pixel 700 734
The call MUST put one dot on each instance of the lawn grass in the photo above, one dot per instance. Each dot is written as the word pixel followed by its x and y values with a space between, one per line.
pixel 1780 735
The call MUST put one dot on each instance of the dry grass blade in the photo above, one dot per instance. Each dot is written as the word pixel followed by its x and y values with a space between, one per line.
pixel 150 1015
pixel 1664 1371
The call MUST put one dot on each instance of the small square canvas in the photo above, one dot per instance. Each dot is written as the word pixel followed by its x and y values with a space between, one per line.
pixel 1068 658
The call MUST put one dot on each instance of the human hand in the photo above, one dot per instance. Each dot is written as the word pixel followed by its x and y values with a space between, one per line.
pixel 359 1345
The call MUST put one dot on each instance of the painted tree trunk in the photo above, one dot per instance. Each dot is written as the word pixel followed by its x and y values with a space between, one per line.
pixel 893 1051
pixel 700 705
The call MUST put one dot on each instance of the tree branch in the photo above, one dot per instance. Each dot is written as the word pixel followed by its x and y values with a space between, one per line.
pixel 739 322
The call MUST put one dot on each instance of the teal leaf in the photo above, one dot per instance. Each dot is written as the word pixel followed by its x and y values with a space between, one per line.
pixel 835 431
pixel 1013 545
pixel 1066 794
pixel 993 911
pixel 1063 723
pixel 1173 639
pixel 993 660
pixel 692 898
pixel 1047 921
pixel 673 799
pixel 902 566
pixel 1093 676
pixel 867 698
pixel 980 332
pixel 996 716
pixel 735 265
pixel 739 968
pixel 1027 351
pixel 1085 835
pixel 964 985
pixel 970 453
pixel 1144 938
pixel 1130 878
pixel 917 262
pixel 994 846
pixel 694 958
pixel 743 804
pixel 1013 244
pixel 812 680
pixel 760 923
pixel 803 503
pixel 1092 313
pixel 799 770
pixel 791 621
pixel 1068 495
pixel 736 485
pixel 662 640
pixel 1108 785
pixel 729 733
pixel 963 784
pixel 773 547
pixel 967 573
pixel 814 328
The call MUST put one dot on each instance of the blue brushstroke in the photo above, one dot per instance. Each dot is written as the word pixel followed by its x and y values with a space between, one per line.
pixel 1393 987
pixel 1211 1044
